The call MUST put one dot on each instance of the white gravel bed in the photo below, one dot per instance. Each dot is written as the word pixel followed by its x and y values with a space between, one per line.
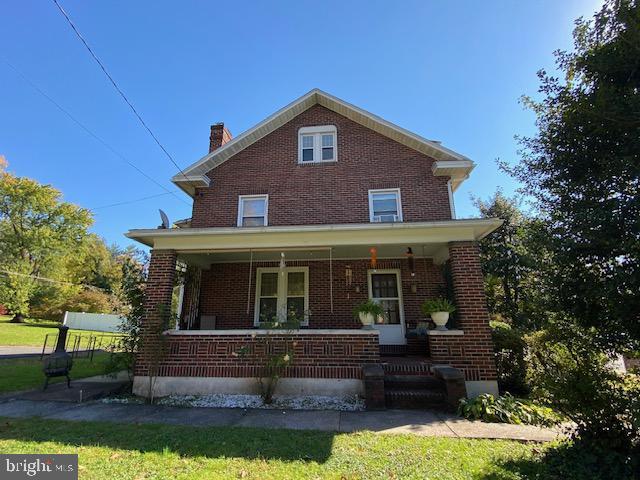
pixel 350 403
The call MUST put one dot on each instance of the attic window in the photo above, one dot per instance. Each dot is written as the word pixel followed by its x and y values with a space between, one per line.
pixel 317 144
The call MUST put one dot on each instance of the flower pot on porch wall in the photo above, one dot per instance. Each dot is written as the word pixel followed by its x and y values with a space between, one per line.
pixel 440 319
pixel 366 319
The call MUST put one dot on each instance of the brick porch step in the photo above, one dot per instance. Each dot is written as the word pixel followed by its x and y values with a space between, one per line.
pixel 414 398
pixel 412 381
pixel 412 388
pixel 407 367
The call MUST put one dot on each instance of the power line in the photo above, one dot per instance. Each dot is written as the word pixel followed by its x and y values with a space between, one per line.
pixel 51 280
pixel 127 202
pixel 86 129
pixel 115 85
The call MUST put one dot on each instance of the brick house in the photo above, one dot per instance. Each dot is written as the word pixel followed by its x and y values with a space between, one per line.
pixel 316 209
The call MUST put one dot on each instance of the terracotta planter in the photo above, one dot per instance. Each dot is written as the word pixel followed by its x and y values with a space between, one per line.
pixel 440 319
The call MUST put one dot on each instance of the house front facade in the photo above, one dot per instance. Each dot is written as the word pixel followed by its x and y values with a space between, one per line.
pixel 310 213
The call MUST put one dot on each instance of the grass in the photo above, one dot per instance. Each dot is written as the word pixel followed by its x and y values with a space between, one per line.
pixel 32 332
pixel 26 373
pixel 114 451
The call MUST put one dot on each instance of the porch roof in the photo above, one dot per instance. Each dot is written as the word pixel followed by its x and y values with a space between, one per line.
pixel 194 240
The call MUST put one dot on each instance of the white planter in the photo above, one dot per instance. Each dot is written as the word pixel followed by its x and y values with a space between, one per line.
pixel 440 319
pixel 366 319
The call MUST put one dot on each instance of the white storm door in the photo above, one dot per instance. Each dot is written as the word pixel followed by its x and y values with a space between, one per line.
pixel 385 289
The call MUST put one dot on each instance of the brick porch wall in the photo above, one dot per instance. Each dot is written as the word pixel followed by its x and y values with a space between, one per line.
pixel 224 288
pixel 315 355
pixel 472 352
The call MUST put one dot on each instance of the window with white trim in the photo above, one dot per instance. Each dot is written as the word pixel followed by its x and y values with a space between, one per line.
pixel 385 205
pixel 317 144
pixel 252 210
pixel 281 293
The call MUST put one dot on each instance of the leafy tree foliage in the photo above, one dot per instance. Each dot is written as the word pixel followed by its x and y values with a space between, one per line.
pixel 514 258
pixel 569 373
pixel 37 230
pixel 583 168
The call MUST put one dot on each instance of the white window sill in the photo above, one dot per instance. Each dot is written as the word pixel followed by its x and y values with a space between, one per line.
pixel 323 162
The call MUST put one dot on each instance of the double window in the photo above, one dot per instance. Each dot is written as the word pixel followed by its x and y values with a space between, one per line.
pixel 385 205
pixel 253 210
pixel 282 294
pixel 317 144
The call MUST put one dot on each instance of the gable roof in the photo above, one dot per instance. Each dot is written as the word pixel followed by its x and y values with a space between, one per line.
pixel 448 162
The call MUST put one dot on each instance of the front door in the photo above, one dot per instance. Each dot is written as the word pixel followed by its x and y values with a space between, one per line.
pixel 385 289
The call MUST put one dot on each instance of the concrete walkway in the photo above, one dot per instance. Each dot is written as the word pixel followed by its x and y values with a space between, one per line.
pixel 417 422
pixel 8 352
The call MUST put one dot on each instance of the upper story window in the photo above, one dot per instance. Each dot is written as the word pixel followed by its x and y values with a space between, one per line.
pixel 385 205
pixel 253 210
pixel 317 144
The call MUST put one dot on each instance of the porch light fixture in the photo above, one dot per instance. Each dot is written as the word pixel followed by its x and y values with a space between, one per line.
pixel 348 276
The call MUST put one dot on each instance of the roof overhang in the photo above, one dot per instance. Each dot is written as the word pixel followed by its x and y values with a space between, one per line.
pixel 188 182
pixel 315 236
pixel 458 170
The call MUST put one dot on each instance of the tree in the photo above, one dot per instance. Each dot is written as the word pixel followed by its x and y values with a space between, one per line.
pixel 513 259
pixel 583 169
pixel 37 230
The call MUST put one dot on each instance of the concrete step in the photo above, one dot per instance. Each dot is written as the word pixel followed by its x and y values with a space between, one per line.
pixel 414 398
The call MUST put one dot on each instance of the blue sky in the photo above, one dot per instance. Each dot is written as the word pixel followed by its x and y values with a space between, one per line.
pixel 449 71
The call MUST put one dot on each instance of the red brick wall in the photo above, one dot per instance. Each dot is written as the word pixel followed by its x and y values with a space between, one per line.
pixel 315 356
pixel 224 291
pixel 472 352
pixel 322 193
pixel 157 299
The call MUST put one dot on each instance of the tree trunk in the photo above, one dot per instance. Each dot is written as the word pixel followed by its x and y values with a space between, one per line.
pixel 17 318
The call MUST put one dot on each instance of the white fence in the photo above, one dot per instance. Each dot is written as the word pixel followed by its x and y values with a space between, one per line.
pixel 100 322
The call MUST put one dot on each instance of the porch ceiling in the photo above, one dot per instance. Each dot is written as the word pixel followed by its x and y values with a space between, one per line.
pixel 436 251
pixel 314 241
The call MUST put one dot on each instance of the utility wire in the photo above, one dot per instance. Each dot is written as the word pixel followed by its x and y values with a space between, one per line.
pixel 51 280
pixel 86 129
pixel 115 85
pixel 127 202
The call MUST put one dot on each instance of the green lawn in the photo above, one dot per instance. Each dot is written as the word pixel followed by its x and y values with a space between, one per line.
pixel 112 451
pixel 32 332
pixel 26 373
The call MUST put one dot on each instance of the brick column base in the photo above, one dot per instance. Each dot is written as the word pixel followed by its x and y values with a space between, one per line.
pixel 470 349
pixel 157 302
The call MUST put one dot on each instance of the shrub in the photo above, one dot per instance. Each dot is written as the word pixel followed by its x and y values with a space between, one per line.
pixel 506 409
pixel 569 372
pixel 509 346
pixel 437 305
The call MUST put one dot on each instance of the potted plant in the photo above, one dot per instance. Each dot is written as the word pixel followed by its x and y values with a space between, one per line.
pixel 367 312
pixel 439 310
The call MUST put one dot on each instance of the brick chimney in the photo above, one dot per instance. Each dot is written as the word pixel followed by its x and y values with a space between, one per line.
pixel 219 136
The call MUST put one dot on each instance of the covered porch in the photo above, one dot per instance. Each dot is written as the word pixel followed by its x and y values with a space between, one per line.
pixel 226 282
